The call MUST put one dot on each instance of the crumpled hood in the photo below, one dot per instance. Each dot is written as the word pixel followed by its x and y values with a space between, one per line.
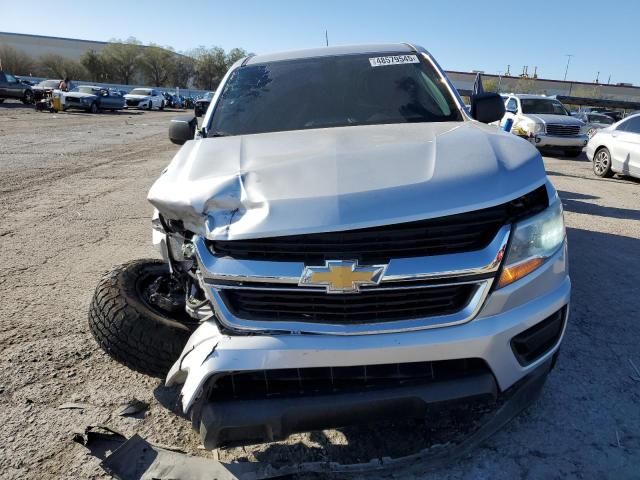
pixel 554 119
pixel 342 178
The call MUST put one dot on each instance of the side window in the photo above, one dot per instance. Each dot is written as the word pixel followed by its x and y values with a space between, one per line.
pixel 512 105
pixel 632 125
pixel 10 78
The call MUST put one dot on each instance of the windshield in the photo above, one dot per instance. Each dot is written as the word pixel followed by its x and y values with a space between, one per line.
pixel 85 89
pixel 331 92
pixel 140 91
pixel 543 105
pixel 208 96
pixel 601 119
pixel 49 84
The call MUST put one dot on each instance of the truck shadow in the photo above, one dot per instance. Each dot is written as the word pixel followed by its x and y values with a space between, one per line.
pixel 573 202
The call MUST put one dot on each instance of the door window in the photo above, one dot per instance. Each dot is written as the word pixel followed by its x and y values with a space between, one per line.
pixel 10 78
pixel 632 125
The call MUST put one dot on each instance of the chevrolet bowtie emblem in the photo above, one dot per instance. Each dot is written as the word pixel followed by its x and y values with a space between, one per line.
pixel 342 276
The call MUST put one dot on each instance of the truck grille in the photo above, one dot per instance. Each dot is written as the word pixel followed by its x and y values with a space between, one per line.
pixel 368 306
pixel 324 380
pixel 562 130
pixel 453 234
pixel 133 103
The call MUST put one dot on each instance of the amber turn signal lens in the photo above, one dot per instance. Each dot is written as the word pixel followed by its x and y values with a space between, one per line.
pixel 516 272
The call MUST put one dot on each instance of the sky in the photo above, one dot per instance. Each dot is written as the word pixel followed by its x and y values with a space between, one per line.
pixel 463 35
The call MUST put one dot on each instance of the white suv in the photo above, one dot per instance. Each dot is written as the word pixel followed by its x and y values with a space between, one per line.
pixel 545 122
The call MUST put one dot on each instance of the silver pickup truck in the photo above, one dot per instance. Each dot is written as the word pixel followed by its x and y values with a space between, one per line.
pixel 342 242
pixel 545 122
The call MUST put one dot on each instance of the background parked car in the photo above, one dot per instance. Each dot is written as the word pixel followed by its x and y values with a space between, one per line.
pixel 545 122
pixel 202 104
pixel 92 99
pixel 616 149
pixel 40 90
pixel 594 122
pixel 11 87
pixel 617 116
pixel 148 98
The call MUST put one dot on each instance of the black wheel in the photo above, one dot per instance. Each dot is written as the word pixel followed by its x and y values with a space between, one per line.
pixel 150 106
pixel 162 105
pixel 129 325
pixel 93 108
pixel 572 152
pixel 602 163
pixel 27 99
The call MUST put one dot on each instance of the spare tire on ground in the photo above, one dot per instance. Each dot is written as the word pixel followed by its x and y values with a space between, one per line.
pixel 129 327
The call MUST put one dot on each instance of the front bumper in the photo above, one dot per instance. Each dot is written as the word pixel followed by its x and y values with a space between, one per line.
pixel 544 140
pixel 505 313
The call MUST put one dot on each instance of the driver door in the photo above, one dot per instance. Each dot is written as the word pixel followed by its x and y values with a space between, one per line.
pixel 626 152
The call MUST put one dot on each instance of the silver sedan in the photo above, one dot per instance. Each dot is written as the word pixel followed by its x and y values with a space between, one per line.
pixel 616 149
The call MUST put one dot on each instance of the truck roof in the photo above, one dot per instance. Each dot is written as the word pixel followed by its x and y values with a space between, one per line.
pixel 382 48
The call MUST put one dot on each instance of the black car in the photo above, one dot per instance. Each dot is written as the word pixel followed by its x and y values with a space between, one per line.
pixel 11 87
pixel 202 104
pixel 617 116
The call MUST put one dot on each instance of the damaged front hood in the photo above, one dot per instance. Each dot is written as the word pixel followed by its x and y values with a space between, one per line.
pixel 342 178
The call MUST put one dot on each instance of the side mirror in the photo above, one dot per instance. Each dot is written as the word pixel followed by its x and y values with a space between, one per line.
pixel 487 107
pixel 182 129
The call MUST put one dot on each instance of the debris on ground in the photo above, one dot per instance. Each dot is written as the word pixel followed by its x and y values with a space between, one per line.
pixel 133 407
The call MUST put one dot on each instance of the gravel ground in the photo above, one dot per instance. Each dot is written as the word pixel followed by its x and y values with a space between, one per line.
pixel 72 203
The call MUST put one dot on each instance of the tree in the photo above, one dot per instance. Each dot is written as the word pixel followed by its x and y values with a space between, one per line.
pixel 526 85
pixel 211 65
pixel 93 62
pixel 184 68
pixel 57 66
pixel 122 59
pixel 16 61
pixel 157 64
pixel 234 55
pixel 490 85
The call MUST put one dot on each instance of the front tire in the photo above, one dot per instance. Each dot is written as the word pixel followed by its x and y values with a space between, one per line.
pixel 93 108
pixel 602 163
pixel 162 105
pixel 132 330
pixel 27 99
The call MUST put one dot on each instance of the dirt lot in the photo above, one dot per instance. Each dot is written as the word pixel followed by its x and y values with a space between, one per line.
pixel 72 203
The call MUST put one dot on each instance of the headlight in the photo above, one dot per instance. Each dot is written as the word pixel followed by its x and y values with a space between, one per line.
pixel 538 128
pixel 533 241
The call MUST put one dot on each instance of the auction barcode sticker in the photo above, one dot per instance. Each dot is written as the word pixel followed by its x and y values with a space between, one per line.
pixel 393 60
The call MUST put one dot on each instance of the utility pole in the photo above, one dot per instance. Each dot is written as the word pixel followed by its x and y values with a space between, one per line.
pixel 508 72
pixel 568 55
pixel 326 37
pixel 609 81
pixel 597 77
